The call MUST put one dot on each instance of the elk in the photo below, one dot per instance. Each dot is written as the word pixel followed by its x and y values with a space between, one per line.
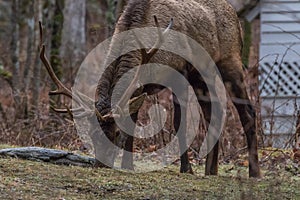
pixel 214 25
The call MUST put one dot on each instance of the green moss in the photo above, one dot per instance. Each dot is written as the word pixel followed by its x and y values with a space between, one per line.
pixel 247 43
pixel 5 74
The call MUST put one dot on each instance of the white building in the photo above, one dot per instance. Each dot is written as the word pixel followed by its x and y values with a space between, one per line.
pixel 279 67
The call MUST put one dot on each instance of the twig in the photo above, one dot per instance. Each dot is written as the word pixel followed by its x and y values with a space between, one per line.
pixel 272 151
pixel 235 153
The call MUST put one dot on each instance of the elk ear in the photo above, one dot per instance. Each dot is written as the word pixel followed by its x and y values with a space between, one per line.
pixel 136 102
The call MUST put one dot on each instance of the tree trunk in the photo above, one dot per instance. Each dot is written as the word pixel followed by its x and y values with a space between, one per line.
pixel 56 17
pixel 37 64
pixel 28 69
pixel 15 55
pixel 73 48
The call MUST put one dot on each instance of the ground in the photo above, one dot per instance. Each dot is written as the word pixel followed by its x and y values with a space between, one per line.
pixel 23 179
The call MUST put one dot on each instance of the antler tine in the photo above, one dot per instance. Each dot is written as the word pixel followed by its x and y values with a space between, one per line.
pixel 159 42
pixel 146 56
pixel 41 33
pixel 66 110
pixel 78 112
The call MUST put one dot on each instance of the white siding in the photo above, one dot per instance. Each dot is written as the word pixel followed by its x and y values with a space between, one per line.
pixel 280 28
pixel 280 47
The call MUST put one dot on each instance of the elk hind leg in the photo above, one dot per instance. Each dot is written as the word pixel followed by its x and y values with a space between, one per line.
pixel 232 73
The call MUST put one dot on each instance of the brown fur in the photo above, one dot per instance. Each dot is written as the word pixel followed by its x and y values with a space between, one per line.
pixel 212 23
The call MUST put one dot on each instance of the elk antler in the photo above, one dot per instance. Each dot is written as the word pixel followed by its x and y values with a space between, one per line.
pixel 146 56
pixel 86 104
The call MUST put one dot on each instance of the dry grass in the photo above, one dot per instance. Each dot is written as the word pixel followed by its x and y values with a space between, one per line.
pixel 20 179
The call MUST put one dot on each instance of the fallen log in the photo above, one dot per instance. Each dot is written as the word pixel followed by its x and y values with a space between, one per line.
pixel 48 155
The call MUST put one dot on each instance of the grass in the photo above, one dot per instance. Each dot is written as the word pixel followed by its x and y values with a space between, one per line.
pixel 22 179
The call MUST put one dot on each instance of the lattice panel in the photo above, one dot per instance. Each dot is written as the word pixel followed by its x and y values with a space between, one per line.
pixel 280 79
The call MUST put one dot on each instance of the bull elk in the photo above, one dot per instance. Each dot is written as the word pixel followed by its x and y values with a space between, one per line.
pixel 214 25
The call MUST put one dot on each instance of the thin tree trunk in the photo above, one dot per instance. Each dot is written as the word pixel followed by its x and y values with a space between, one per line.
pixel 15 54
pixel 48 20
pixel 56 30
pixel 37 64
pixel 104 7
pixel 29 64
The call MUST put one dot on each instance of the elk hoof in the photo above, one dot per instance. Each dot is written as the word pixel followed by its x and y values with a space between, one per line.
pixel 186 169
pixel 255 174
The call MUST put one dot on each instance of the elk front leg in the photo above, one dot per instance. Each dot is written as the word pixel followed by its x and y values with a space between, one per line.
pixel 180 128
pixel 105 151
pixel 201 91
pixel 127 159
pixel 212 158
